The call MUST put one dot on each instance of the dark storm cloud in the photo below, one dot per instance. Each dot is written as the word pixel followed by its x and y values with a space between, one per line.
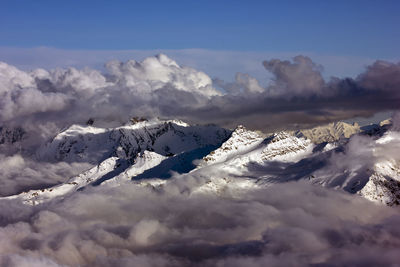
pixel 302 77
pixel 298 95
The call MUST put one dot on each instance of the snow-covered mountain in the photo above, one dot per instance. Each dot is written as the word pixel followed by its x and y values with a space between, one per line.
pixel 339 156
pixel 118 154
pixel 92 144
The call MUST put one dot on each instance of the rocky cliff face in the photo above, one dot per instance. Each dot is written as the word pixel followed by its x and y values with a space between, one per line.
pixel 330 133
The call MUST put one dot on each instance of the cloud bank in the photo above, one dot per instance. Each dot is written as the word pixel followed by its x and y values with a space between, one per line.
pixel 221 64
pixel 297 96
pixel 19 174
pixel 295 224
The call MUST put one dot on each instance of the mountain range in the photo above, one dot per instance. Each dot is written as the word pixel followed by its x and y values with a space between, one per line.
pixel 341 156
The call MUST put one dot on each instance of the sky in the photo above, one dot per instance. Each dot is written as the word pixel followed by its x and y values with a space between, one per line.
pixel 262 55
pixel 343 36
pixel 362 28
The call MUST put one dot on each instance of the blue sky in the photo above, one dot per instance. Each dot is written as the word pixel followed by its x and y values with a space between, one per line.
pixel 218 37
pixel 356 28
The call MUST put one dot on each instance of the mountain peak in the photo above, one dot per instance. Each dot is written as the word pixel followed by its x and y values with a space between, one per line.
pixel 240 140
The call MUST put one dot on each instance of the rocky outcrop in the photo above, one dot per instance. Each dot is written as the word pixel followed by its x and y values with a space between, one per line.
pixel 329 133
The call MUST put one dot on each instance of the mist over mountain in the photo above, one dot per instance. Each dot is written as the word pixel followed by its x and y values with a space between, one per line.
pixel 156 164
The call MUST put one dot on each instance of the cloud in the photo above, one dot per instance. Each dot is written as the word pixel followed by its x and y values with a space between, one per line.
pixel 20 174
pixel 292 224
pixel 302 77
pixel 396 121
pixel 222 64
pixel 381 74
pixel 41 99
pixel 297 96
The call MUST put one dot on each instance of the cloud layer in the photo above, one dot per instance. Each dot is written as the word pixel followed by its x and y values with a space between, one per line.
pixel 18 174
pixel 293 225
pixel 158 86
